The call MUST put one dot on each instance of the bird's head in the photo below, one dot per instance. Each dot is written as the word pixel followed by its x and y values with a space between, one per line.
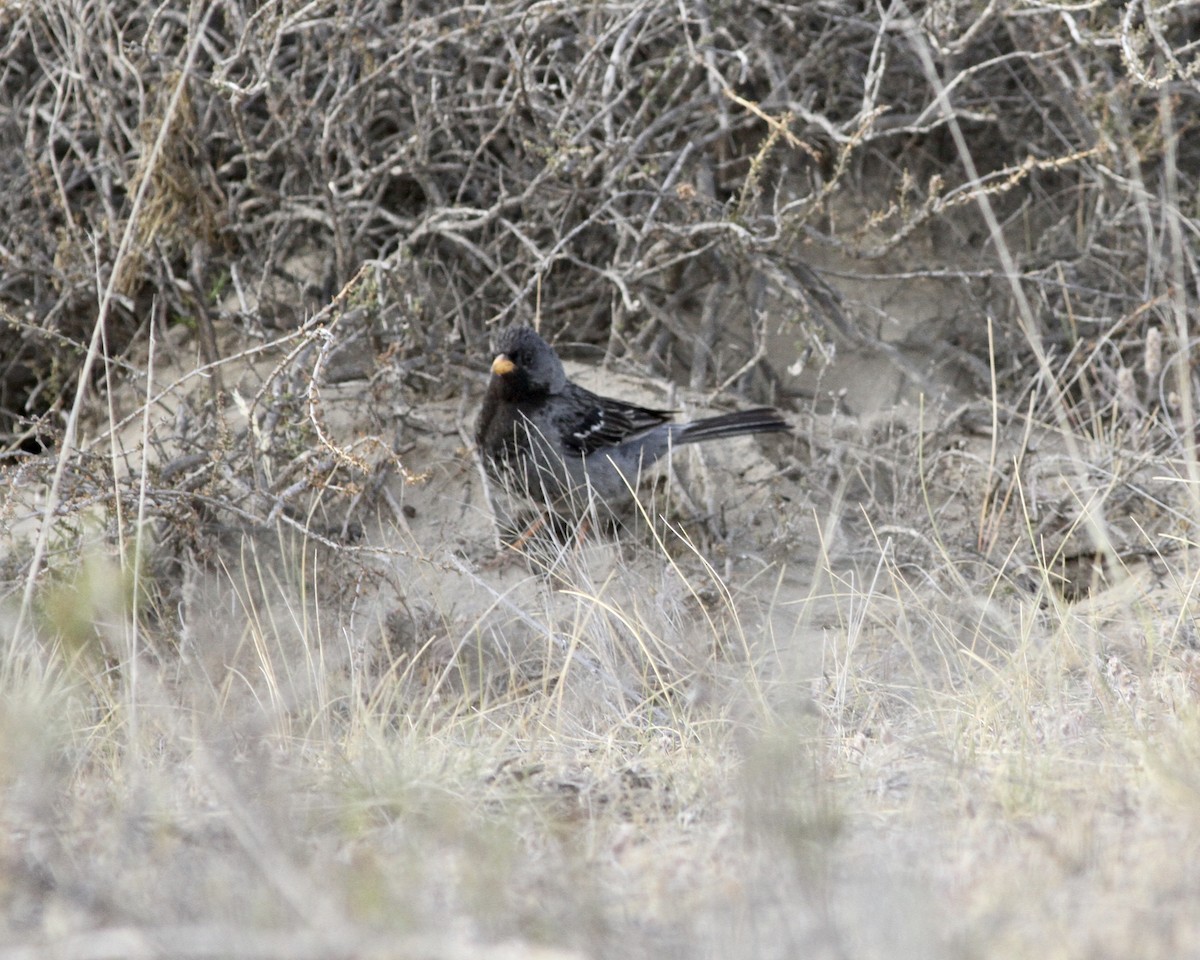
pixel 526 365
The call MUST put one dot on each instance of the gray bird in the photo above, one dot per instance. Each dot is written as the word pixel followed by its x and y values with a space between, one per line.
pixel 565 448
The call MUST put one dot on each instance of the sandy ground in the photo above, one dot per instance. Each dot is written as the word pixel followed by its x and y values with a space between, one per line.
pixel 915 681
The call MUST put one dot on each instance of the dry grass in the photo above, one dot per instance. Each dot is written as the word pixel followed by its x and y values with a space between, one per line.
pixel 921 681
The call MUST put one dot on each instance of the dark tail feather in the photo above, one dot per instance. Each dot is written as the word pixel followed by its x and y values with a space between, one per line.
pixel 759 420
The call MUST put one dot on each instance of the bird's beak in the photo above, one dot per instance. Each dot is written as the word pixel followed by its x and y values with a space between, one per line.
pixel 502 365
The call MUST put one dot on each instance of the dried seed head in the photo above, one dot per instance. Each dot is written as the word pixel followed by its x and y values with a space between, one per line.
pixel 1153 358
pixel 1127 399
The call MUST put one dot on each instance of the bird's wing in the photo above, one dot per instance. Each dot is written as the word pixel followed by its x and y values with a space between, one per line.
pixel 591 422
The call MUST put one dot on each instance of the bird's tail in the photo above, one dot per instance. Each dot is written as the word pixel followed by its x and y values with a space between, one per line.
pixel 758 420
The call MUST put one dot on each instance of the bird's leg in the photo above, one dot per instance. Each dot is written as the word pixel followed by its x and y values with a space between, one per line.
pixel 528 533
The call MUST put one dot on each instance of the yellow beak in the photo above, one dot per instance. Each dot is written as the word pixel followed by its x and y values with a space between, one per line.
pixel 502 366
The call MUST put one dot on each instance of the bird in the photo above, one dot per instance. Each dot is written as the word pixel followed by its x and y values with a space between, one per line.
pixel 568 450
